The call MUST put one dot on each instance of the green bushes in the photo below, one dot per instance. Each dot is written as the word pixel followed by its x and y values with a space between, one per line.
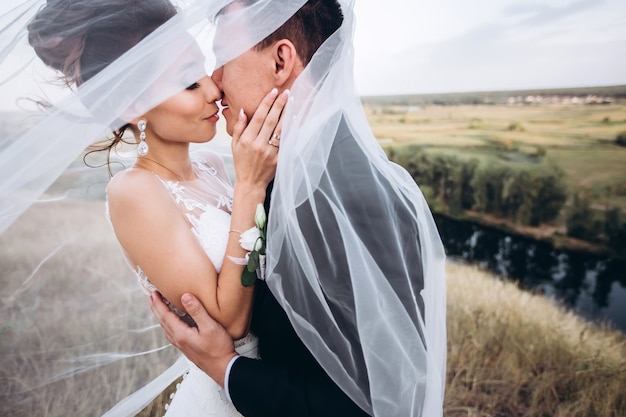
pixel 526 194
pixel 609 226
pixel 615 229
pixel 581 222
pixel 529 195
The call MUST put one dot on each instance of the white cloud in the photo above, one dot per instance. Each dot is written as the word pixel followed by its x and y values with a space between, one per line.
pixel 477 45
pixel 422 46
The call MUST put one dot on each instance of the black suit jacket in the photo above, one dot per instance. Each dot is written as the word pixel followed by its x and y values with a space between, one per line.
pixel 288 381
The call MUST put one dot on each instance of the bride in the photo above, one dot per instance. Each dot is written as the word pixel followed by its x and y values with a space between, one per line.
pixel 354 303
pixel 175 214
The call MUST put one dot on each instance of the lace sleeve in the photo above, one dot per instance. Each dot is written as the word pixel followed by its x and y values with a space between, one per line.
pixel 209 160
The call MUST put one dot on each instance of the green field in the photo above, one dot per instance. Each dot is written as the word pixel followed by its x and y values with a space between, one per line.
pixel 578 138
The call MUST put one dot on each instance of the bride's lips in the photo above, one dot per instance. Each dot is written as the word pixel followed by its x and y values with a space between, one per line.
pixel 214 117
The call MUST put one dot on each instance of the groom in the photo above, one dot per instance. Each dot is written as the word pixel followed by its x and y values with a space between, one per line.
pixel 287 381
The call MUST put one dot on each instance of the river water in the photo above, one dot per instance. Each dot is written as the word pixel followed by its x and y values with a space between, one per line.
pixel 591 285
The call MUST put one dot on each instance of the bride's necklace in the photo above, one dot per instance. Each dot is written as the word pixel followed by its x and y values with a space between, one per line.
pixel 180 177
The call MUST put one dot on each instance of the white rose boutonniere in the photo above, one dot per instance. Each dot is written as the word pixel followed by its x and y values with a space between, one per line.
pixel 250 240
pixel 253 240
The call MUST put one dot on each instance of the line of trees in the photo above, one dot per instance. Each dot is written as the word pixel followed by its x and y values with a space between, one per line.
pixel 608 225
pixel 529 195
pixel 526 194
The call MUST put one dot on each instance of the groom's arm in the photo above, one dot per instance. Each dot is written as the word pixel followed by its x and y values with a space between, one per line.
pixel 260 389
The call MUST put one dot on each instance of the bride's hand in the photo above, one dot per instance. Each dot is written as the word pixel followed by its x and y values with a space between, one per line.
pixel 255 146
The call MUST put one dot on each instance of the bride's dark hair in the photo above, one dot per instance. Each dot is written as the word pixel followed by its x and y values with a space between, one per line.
pixel 80 38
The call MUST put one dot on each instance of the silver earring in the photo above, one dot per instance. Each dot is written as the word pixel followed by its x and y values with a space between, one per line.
pixel 142 149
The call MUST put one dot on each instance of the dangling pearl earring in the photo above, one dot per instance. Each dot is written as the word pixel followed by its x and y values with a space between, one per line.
pixel 142 149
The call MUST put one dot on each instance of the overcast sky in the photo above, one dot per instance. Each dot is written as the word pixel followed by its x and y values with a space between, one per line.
pixel 420 46
pixel 438 46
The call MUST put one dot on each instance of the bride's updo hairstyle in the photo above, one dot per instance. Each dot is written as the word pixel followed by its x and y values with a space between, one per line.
pixel 80 38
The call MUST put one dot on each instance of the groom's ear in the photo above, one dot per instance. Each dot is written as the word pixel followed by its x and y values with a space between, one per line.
pixel 287 62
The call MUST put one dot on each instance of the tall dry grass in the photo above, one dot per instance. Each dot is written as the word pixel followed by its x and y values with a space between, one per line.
pixel 512 353
pixel 81 301
pixel 515 354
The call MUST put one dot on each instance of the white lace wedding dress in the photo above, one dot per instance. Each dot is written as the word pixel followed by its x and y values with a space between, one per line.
pixel 206 203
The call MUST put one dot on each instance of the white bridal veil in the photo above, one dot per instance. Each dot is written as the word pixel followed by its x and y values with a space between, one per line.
pixel 76 335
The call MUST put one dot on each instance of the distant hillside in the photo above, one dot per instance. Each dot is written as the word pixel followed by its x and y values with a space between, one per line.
pixel 596 94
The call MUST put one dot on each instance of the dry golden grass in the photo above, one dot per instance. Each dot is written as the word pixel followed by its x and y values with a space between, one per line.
pixel 83 292
pixel 515 354
pixel 512 353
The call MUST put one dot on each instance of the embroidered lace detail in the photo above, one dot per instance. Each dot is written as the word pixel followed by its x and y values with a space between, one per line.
pixel 204 167
pixel 210 230
pixel 199 396
pixel 206 203
pixel 145 283
pixel 239 343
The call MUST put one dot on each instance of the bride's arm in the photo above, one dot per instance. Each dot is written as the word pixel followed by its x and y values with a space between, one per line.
pixel 157 238
pixel 253 173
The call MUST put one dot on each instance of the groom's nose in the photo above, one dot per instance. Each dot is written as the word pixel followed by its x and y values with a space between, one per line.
pixel 217 77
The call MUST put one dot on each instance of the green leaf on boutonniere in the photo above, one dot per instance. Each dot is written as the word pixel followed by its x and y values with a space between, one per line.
pixel 248 278
pixel 253 240
pixel 253 261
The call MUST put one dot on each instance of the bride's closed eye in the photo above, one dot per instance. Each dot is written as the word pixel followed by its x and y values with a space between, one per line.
pixel 193 86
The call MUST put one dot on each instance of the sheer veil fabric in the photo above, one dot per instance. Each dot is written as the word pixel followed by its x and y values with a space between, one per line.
pixel 379 331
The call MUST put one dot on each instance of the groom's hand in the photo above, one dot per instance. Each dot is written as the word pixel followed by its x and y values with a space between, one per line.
pixel 209 346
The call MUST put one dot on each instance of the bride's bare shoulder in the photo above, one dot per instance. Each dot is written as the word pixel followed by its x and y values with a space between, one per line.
pixel 133 184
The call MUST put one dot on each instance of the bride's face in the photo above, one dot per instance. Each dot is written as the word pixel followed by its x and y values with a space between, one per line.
pixel 190 115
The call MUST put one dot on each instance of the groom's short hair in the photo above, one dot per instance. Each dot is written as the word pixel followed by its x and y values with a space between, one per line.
pixel 307 29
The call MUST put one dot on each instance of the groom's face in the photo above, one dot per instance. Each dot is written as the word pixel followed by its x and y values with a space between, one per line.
pixel 244 81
